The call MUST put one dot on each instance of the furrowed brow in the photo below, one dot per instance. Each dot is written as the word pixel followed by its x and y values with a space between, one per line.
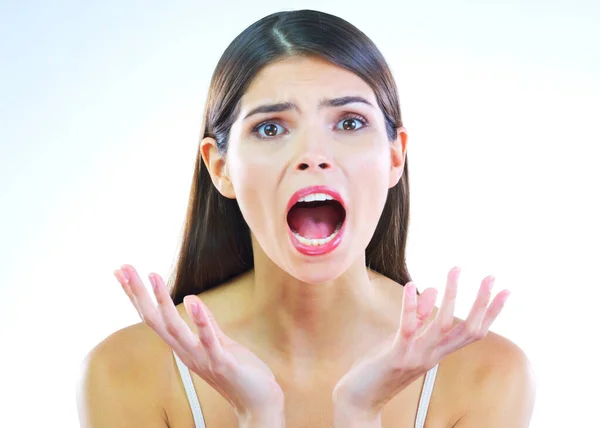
pixel 288 105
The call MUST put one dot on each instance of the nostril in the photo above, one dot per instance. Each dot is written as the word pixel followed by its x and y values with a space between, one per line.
pixel 322 165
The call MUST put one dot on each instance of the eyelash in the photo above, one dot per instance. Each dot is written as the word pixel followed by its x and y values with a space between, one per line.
pixel 354 116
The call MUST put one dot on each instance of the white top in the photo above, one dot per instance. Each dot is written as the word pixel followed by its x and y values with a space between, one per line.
pixel 199 419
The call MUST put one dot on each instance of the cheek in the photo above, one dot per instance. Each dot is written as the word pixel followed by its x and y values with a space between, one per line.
pixel 369 176
pixel 253 183
pixel 371 167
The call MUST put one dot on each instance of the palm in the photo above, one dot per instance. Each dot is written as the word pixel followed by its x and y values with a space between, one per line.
pixel 256 380
pixel 417 347
pixel 231 369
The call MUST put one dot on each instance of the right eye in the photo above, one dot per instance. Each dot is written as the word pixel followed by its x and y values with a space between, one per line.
pixel 269 129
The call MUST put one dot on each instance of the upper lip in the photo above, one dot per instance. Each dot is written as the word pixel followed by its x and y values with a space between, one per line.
pixel 315 189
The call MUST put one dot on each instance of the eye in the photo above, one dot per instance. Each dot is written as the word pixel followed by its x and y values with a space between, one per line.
pixel 349 122
pixel 270 129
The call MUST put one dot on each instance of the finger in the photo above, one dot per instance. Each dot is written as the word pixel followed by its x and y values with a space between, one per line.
pixel 494 309
pixel 445 317
pixel 223 338
pixel 206 332
pixel 479 309
pixel 461 336
pixel 150 314
pixel 123 279
pixel 425 303
pixel 408 315
pixel 174 324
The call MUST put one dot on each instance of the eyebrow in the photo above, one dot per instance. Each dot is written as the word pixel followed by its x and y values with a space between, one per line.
pixel 327 102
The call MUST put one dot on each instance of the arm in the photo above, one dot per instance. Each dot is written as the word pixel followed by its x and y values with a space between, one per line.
pixel 109 392
pixel 347 417
pixel 506 396
pixel 273 418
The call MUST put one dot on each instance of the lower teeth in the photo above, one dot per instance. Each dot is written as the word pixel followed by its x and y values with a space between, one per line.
pixel 318 242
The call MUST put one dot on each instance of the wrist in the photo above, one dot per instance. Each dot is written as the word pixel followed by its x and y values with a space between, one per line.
pixel 349 416
pixel 272 417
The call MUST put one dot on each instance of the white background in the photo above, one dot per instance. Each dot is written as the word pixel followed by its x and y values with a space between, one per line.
pixel 100 109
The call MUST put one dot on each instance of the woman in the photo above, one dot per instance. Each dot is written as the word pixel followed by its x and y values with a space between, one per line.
pixel 292 267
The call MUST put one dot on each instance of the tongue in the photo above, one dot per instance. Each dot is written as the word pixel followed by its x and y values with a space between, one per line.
pixel 313 222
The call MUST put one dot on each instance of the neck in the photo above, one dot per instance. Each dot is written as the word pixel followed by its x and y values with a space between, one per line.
pixel 306 324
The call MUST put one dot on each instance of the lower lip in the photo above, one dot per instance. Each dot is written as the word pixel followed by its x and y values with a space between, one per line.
pixel 318 250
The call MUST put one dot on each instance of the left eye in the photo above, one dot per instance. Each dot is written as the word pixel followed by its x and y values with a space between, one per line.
pixel 349 123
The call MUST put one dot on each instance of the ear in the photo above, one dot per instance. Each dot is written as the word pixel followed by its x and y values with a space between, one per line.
pixel 398 156
pixel 216 164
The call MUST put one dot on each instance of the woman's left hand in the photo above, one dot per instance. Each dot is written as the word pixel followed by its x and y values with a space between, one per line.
pixel 374 380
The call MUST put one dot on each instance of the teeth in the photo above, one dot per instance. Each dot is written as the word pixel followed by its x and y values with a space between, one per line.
pixel 316 197
pixel 318 242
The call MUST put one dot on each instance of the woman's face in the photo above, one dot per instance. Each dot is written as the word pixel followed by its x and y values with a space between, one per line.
pixel 273 155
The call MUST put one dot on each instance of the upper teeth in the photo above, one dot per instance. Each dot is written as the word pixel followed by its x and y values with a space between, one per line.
pixel 316 197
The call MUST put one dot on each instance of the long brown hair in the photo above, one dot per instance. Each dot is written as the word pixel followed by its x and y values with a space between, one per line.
pixel 216 243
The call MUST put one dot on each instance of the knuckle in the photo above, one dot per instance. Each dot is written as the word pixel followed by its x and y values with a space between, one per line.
pixel 150 321
pixel 472 332
pixel 206 340
pixel 480 334
pixel 172 330
pixel 446 326
pixel 408 333
pixel 198 348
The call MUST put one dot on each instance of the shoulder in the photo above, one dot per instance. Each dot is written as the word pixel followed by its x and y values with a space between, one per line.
pixel 500 362
pixel 500 383
pixel 119 377
pixel 130 377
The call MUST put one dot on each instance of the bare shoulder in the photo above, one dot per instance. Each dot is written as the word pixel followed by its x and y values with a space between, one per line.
pixel 118 380
pixel 498 383
pixel 130 378
pixel 488 383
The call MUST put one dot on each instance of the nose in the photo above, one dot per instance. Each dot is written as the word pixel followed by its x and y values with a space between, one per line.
pixel 314 153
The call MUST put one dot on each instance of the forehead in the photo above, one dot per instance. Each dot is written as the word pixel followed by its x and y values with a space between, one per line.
pixel 302 78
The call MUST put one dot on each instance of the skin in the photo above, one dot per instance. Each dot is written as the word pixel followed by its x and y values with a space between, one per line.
pixel 311 329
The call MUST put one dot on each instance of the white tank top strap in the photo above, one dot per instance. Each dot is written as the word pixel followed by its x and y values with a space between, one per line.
pixel 190 392
pixel 425 397
pixel 199 418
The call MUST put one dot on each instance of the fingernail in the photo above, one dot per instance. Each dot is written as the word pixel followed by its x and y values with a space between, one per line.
pixel 125 274
pixel 152 281
pixel 195 308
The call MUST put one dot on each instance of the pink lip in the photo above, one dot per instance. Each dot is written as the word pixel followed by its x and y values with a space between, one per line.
pixel 314 189
pixel 310 250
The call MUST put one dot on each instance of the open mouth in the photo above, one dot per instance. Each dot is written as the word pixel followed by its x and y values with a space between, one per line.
pixel 316 222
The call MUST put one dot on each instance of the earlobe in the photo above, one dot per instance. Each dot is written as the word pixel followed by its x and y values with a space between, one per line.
pixel 216 165
pixel 398 156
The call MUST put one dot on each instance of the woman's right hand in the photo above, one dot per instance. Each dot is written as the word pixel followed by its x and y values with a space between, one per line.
pixel 231 369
